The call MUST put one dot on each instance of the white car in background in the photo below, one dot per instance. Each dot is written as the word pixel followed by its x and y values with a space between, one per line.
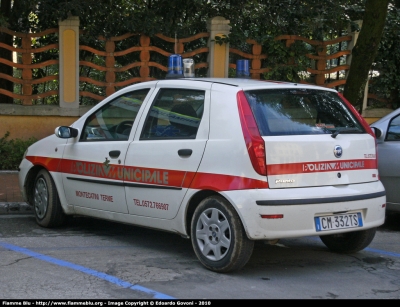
pixel 387 130
pixel 224 162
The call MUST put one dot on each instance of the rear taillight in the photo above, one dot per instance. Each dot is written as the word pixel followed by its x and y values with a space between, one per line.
pixel 254 142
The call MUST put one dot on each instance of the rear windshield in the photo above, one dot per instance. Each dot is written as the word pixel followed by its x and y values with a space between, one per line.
pixel 301 111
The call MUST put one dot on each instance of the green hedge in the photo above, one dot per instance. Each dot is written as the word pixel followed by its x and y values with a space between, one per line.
pixel 12 151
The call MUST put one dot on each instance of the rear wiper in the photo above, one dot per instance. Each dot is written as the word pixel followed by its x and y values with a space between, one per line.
pixel 345 130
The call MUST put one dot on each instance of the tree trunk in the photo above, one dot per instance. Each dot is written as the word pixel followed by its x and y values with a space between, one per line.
pixel 365 50
pixel 7 55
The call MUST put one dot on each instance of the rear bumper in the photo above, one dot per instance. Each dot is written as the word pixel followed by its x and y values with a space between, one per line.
pixel 299 207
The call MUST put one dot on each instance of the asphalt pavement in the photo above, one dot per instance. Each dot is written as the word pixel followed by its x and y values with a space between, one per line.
pixel 11 200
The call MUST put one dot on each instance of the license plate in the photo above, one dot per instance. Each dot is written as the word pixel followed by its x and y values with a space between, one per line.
pixel 338 221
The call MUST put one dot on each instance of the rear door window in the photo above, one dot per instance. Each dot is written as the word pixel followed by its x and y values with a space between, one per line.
pixel 301 112
pixel 175 114
pixel 393 133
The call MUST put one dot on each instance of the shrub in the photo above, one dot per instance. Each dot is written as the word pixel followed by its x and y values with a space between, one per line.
pixel 12 151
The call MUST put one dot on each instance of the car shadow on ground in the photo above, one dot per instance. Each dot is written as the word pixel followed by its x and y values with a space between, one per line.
pixel 392 221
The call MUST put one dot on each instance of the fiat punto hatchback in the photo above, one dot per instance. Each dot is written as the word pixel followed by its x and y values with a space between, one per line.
pixel 224 162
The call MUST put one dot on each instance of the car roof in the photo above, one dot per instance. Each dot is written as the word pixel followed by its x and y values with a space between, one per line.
pixel 248 84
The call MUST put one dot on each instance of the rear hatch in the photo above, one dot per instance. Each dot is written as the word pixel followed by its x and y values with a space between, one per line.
pixel 312 138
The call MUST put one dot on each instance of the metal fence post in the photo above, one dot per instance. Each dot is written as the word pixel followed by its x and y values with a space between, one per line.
pixel 351 45
pixel 353 42
pixel 26 72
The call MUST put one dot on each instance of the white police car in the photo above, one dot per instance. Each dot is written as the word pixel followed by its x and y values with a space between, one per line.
pixel 224 162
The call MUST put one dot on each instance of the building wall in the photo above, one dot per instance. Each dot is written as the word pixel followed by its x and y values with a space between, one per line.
pixel 37 121
pixel 25 127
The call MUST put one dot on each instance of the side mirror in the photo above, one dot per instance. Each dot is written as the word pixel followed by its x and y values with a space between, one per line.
pixel 377 132
pixel 65 132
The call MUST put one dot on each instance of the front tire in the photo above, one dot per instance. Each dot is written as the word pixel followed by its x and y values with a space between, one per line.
pixel 46 203
pixel 350 242
pixel 218 236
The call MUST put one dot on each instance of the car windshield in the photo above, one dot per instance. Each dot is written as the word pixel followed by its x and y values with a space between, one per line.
pixel 301 112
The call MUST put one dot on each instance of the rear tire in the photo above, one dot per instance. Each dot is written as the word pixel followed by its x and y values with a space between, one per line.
pixel 218 236
pixel 46 203
pixel 350 242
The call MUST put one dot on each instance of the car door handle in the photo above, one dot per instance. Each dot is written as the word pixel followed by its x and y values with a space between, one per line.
pixel 185 152
pixel 114 154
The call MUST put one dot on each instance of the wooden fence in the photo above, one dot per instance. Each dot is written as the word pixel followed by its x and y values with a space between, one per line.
pixel 144 48
pixel 59 74
pixel 24 67
pixel 31 88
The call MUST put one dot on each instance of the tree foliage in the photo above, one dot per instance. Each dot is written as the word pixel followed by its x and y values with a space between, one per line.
pixel 249 18
pixel 385 81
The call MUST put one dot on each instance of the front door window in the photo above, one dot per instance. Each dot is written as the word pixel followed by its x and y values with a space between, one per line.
pixel 114 121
